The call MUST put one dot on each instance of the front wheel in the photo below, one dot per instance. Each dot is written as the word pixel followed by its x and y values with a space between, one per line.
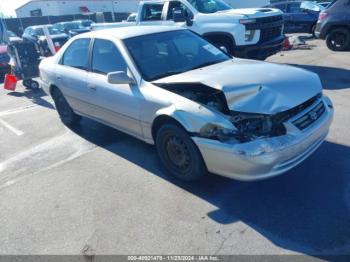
pixel 65 112
pixel 338 39
pixel 179 154
pixel 224 45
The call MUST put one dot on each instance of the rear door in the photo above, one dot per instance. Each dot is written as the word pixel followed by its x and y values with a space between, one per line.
pixel 71 75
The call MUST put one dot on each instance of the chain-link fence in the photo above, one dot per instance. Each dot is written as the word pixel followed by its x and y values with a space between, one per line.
pixel 17 25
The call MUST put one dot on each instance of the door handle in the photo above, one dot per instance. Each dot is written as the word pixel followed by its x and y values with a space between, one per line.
pixel 59 77
pixel 92 87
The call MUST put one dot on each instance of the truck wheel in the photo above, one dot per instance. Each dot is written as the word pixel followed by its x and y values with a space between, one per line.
pixel 224 45
pixel 68 117
pixel 179 154
pixel 338 39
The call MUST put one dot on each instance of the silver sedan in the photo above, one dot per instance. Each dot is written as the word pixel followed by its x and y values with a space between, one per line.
pixel 204 110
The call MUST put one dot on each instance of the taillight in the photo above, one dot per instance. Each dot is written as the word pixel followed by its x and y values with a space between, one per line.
pixel 322 16
pixel 57 48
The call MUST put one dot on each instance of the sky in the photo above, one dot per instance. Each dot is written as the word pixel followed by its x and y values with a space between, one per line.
pixel 8 6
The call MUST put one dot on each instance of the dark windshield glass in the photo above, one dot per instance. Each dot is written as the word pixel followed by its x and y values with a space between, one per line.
pixel 73 25
pixel 164 54
pixel 209 6
pixel 52 30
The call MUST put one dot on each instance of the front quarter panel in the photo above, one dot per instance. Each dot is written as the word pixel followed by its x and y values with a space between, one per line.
pixel 190 114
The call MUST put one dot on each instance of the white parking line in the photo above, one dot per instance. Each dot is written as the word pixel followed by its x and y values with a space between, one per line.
pixel 18 110
pixel 11 128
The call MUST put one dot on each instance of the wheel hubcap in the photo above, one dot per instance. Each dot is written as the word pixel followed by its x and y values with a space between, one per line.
pixel 338 40
pixel 178 153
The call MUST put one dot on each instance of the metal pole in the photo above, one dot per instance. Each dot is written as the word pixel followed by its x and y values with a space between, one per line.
pixel 113 17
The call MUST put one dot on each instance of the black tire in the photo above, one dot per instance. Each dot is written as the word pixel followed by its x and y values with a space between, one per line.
pixel 27 84
pixel 34 85
pixel 179 154
pixel 224 45
pixel 313 29
pixel 338 39
pixel 68 117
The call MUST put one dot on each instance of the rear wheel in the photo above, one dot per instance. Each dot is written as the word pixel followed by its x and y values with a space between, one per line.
pixel 338 39
pixel 313 29
pixel 30 84
pixel 179 154
pixel 65 112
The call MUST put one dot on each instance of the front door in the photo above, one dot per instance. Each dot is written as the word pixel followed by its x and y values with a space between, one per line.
pixel 115 104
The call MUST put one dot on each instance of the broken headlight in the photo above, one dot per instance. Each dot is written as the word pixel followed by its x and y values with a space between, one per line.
pixel 216 132
pixel 252 126
pixel 248 127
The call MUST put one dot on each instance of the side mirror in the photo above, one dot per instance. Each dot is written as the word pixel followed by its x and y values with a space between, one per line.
pixel 179 15
pixel 119 77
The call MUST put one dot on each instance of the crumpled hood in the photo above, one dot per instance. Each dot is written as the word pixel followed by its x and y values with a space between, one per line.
pixel 254 86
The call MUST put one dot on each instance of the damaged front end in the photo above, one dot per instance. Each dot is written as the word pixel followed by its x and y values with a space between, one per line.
pixel 247 126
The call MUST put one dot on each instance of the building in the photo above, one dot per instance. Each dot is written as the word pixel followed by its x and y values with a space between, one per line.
pixel 71 7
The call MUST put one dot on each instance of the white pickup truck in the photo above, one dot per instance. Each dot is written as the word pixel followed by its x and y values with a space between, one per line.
pixel 255 33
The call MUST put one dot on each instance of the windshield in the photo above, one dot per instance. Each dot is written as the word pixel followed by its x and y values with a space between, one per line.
pixel 311 6
pixel 164 54
pixel 52 30
pixel 209 6
pixel 72 26
pixel 40 31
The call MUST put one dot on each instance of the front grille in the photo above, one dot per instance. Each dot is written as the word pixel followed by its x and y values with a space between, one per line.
pixel 270 27
pixel 269 19
pixel 270 33
pixel 286 115
pixel 310 117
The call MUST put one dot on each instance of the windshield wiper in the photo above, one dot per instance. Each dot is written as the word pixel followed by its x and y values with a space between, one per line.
pixel 206 64
pixel 167 73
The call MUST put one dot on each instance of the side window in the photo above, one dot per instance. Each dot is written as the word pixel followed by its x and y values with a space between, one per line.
pixel 175 4
pixel 106 58
pixel 152 12
pixel 76 54
pixel 294 8
pixel 39 31
pixel 282 7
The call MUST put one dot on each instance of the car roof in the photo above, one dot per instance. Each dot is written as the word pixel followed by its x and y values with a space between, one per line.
pixel 38 26
pixel 129 31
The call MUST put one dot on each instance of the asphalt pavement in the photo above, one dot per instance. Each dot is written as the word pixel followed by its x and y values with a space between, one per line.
pixel 94 190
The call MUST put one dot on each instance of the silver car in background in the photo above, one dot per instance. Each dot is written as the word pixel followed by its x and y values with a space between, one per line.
pixel 204 110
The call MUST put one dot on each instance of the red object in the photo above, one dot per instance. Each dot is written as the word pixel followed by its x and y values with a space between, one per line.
pixel 286 44
pixel 10 82
pixel 57 48
pixel 84 9
pixel 322 16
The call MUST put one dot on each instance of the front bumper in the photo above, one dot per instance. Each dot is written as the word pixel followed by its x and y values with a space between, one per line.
pixel 267 157
pixel 260 50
